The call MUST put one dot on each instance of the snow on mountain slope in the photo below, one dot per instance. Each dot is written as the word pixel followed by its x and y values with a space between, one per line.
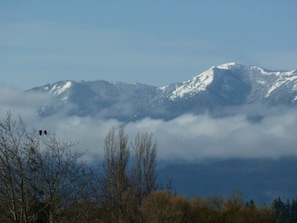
pixel 193 86
pixel 223 75
pixel 272 87
pixel 59 89
pixel 282 78
pixel 262 83
pixel 231 65
pixel 219 87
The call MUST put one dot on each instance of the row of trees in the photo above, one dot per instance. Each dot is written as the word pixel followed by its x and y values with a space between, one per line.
pixel 42 179
pixel 285 211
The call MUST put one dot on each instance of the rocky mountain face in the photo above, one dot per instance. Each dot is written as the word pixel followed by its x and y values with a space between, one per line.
pixel 211 91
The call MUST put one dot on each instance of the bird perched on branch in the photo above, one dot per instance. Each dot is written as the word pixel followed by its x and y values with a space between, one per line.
pixel 42 132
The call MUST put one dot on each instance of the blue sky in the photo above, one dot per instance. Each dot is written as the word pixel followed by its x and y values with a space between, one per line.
pixel 152 42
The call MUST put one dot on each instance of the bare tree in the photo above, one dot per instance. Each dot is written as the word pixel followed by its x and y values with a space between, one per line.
pixel 125 184
pixel 57 176
pixel 143 173
pixel 15 146
pixel 40 177
pixel 144 170
pixel 115 182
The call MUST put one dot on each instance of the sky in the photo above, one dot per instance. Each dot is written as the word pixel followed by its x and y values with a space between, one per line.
pixel 151 42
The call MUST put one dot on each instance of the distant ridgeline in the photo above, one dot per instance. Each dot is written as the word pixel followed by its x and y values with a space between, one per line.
pixel 216 91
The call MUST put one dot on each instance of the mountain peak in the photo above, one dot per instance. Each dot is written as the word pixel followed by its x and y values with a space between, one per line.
pixel 230 65
pixel 200 82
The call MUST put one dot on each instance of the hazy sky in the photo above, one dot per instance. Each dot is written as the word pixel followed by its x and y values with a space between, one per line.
pixel 152 42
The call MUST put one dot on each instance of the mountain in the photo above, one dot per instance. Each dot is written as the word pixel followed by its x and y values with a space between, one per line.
pixel 213 91
pixel 219 91
pixel 106 99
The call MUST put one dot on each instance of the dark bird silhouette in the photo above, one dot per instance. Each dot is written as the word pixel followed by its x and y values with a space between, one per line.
pixel 40 132
pixel 45 132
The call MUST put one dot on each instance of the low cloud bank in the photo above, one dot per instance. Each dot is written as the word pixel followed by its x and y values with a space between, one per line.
pixel 192 137
pixel 22 103
pixel 187 137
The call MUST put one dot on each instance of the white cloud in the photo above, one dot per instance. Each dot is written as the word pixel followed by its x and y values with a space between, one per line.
pixel 19 103
pixel 197 137
pixel 187 137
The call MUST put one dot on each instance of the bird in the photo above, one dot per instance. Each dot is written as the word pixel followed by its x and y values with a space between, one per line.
pixel 42 132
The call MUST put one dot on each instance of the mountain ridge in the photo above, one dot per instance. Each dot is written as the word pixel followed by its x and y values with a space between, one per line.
pixel 215 89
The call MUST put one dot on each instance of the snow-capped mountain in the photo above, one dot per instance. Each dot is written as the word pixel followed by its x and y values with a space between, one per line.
pixel 212 91
pixel 252 84
pixel 221 90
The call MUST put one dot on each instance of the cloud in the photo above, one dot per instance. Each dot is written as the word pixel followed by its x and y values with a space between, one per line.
pixel 19 102
pixel 192 137
pixel 187 137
